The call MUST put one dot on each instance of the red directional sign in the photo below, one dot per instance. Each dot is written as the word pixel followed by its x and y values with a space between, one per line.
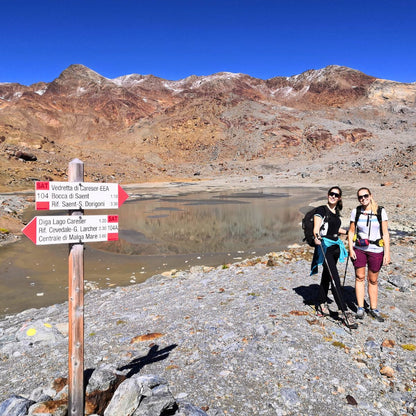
pixel 72 229
pixel 78 195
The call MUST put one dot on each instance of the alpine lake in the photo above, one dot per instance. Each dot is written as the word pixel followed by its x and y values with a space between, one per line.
pixel 157 234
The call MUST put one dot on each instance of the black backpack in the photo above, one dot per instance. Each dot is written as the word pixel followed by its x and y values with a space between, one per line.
pixel 307 226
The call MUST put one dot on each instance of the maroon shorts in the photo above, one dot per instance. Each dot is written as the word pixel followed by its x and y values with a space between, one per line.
pixel 374 260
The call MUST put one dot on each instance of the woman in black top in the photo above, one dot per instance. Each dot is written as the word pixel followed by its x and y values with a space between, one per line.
pixel 327 227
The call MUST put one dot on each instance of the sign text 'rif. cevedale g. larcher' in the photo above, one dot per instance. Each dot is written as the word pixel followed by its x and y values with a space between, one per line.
pixel 72 229
pixel 78 195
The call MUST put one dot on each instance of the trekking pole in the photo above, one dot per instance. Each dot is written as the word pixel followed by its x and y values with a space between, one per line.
pixel 350 326
pixel 345 273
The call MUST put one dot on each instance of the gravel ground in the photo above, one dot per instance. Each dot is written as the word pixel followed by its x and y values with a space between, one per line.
pixel 241 340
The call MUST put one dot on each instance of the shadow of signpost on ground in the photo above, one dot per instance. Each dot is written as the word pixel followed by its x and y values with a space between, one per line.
pixel 154 355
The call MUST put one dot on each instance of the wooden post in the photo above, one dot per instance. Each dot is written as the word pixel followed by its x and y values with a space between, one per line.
pixel 76 311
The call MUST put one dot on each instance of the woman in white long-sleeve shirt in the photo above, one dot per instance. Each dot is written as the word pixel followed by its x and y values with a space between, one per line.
pixel 369 248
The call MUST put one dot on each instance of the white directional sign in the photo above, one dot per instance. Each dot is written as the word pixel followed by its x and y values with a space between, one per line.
pixel 72 229
pixel 78 195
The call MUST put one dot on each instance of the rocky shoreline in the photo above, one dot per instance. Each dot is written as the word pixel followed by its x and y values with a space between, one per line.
pixel 388 191
pixel 12 206
pixel 241 338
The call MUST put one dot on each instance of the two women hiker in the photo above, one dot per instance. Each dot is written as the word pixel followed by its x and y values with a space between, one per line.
pixel 369 249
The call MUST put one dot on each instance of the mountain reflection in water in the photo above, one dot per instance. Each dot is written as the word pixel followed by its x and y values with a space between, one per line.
pixel 221 223
pixel 155 235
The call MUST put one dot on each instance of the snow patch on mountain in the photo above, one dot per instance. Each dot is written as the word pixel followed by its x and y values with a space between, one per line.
pixel 290 91
pixel 174 86
pixel 128 80
pixel 220 76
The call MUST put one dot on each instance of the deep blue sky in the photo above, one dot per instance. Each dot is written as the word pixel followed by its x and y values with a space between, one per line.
pixel 175 39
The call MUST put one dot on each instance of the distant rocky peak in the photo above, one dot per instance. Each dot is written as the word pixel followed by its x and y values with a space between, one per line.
pixel 77 80
pixel 333 74
pixel 80 75
pixel 330 76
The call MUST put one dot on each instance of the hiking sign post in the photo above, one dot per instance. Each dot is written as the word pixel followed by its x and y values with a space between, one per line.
pixel 75 229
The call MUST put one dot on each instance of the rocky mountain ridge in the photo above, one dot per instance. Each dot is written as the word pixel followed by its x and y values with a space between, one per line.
pixel 136 128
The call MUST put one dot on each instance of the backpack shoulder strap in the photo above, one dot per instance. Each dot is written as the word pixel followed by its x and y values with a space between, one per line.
pixel 379 209
pixel 327 214
pixel 357 215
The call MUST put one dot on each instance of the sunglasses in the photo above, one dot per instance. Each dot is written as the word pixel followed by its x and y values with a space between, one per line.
pixel 365 196
pixel 334 194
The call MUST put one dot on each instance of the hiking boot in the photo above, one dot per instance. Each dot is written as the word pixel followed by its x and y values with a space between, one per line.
pixel 360 313
pixel 322 310
pixel 349 321
pixel 375 313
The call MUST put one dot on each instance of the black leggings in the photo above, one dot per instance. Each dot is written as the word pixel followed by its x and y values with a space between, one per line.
pixel 332 256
